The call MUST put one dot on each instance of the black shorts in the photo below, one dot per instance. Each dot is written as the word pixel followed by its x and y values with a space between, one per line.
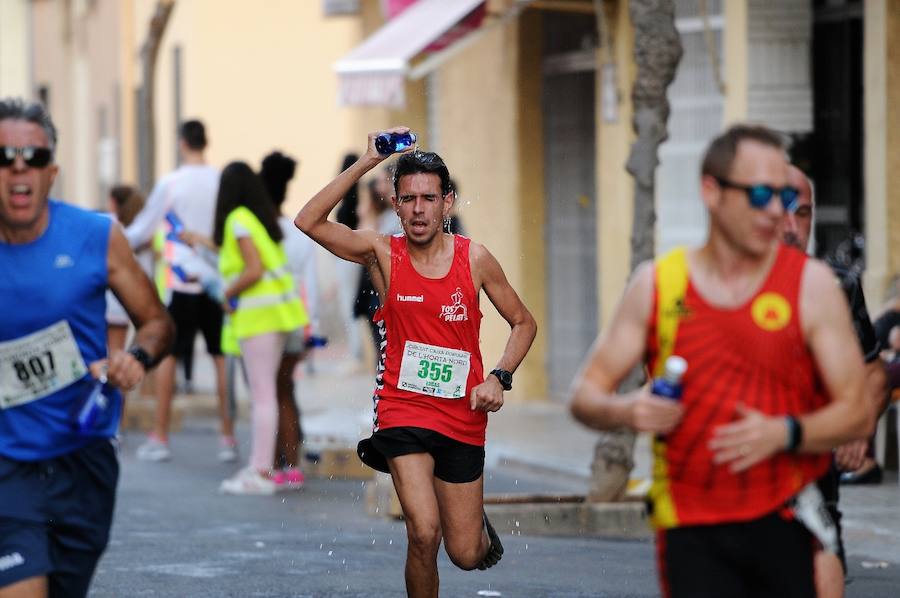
pixel 192 313
pixel 769 556
pixel 455 462
pixel 55 517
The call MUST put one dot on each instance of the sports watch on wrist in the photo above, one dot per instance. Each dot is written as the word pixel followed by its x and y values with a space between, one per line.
pixel 141 356
pixel 504 377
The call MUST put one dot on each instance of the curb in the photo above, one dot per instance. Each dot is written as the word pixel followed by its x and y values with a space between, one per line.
pixel 621 521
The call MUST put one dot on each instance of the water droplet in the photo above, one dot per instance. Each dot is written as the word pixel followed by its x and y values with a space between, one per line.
pixel 330 552
pixel 260 544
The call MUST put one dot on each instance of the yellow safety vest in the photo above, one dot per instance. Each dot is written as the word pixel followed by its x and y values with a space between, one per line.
pixel 272 303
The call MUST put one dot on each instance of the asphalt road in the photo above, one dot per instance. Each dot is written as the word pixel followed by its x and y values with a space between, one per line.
pixel 174 535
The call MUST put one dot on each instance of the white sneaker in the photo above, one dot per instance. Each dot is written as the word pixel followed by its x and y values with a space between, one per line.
pixel 153 449
pixel 248 481
pixel 228 451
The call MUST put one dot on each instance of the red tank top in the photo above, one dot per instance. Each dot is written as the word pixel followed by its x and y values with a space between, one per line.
pixel 756 355
pixel 431 359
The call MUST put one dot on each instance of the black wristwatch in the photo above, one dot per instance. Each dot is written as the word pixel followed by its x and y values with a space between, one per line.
pixel 504 377
pixel 142 357
pixel 795 434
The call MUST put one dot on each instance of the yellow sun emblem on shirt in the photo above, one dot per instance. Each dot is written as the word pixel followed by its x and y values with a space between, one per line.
pixel 771 311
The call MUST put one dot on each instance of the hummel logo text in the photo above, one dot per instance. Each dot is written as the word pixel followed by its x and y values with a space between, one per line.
pixel 411 298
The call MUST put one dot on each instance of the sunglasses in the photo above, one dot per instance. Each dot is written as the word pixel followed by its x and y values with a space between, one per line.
pixel 759 196
pixel 35 157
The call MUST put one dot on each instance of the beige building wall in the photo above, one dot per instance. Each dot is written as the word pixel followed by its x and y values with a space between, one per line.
pixel 364 120
pixel 488 115
pixel 734 62
pixel 882 145
pixel 77 62
pixel 15 49
pixel 261 78
pixel 51 24
pixel 615 187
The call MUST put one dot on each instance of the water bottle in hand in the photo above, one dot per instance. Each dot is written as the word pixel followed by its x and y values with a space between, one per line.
pixel 669 384
pixel 391 143
pixel 93 407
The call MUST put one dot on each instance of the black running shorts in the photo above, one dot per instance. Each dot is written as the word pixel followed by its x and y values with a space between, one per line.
pixel 55 517
pixel 455 462
pixel 766 557
pixel 191 313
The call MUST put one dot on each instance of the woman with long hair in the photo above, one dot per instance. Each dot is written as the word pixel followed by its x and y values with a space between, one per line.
pixel 276 172
pixel 262 308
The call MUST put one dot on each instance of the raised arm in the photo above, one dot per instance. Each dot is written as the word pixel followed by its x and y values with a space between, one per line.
pixel 155 330
pixel 619 349
pixel 352 245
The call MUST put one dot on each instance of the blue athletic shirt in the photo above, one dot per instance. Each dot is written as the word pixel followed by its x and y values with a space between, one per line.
pixel 62 275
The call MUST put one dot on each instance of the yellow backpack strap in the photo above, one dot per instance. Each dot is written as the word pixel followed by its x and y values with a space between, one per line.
pixel 671 285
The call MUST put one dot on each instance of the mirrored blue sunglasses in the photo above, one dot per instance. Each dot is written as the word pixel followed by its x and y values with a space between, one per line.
pixel 759 196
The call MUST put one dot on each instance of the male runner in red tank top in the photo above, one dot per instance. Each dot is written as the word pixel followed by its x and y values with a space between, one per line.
pixel 774 382
pixel 431 395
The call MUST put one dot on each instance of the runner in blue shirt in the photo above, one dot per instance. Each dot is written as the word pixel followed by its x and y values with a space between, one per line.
pixel 58 467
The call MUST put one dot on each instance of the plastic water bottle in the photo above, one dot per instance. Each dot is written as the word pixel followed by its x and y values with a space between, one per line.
pixel 180 273
pixel 93 407
pixel 669 384
pixel 176 226
pixel 390 143
pixel 316 342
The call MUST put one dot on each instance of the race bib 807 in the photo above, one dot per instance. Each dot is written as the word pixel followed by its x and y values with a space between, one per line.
pixel 35 366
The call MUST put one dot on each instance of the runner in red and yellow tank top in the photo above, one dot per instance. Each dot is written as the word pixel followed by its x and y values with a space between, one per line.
pixel 753 355
pixel 431 392
pixel 774 381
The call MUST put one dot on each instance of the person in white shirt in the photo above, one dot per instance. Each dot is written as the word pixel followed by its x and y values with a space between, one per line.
pixel 185 201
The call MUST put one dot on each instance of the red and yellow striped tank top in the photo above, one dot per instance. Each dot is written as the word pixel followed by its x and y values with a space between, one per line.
pixel 754 354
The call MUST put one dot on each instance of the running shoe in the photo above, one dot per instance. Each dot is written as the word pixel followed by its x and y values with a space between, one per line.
pixel 495 551
pixel 288 479
pixel 154 449
pixel 248 481
pixel 228 449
